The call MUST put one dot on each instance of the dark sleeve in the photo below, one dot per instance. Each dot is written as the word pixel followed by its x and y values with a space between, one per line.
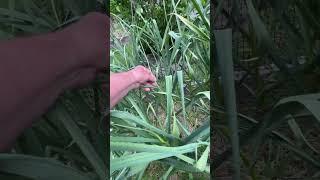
pixel 34 71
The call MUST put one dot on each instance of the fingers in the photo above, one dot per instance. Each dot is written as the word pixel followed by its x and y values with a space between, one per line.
pixel 143 75
pixel 152 77
pixel 149 77
pixel 144 78
pixel 155 84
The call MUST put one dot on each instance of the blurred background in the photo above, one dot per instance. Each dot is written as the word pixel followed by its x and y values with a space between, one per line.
pixel 275 56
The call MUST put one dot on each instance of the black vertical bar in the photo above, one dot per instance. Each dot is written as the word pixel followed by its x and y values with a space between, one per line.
pixel 211 87
pixel 104 106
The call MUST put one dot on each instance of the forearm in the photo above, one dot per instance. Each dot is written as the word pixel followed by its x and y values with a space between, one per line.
pixel 29 65
pixel 121 84
pixel 15 124
pixel 34 71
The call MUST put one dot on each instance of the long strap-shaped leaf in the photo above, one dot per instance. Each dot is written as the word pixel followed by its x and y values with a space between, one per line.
pixel 95 125
pixel 225 62
pixel 154 153
pixel 137 158
pixel 202 131
pixel 310 102
pixel 133 139
pixel 141 147
pixel 182 166
pixel 198 6
pixel 263 36
pixel 38 168
pixel 275 119
pixel 202 162
pixel 130 117
pixel 22 16
pixel 60 113
pixel 204 36
pixel 169 103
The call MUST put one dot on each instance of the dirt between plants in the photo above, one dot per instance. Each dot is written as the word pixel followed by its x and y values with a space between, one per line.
pixel 248 103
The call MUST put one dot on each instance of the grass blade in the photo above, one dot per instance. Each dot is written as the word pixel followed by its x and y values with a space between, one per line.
pixel 202 162
pixel 169 102
pixel 60 113
pixel 200 11
pixel 137 108
pixel 140 147
pixel 131 118
pixel 133 139
pixel 194 28
pixel 180 81
pixel 264 38
pixel 137 158
pixel 38 168
pixel 202 131
pixel 166 175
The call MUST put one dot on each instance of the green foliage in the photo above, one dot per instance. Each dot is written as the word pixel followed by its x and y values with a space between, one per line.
pixel 71 137
pixel 225 62
pixel 281 133
pixel 121 7
pixel 162 126
pixel 68 142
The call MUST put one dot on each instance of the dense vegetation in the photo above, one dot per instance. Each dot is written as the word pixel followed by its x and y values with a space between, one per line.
pixel 70 141
pixel 273 131
pixel 165 132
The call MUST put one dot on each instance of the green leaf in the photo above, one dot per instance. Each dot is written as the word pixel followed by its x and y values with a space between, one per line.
pixel 181 166
pixel 225 63
pixel 59 113
pixel 169 102
pixel 25 17
pixel 194 28
pixel 96 126
pixel 200 10
pixel 299 134
pixel 137 158
pixel 263 36
pixel 200 132
pixel 137 169
pixel 140 147
pixel 133 139
pixel 166 175
pixel 38 168
pixel 138 109
pixel 202 162
pixel 131 118
pixel 206 93
pixel 181 87
pixel 175 128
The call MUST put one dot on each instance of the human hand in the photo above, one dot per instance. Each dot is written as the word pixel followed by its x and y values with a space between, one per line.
pixel 143 77
pixel 122 83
